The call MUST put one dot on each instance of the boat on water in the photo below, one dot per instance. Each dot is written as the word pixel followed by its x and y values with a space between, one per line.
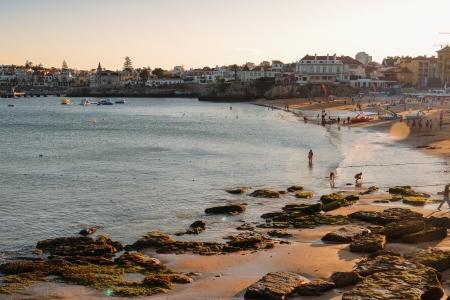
pixel 360 118
pixel 85 102
pixel 120 101
pixel 66 101
pixel 105 102
pixel 11 105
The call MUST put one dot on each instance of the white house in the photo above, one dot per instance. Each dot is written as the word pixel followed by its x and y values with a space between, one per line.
pixel 322 69
pixel 256 73
pixel 277 66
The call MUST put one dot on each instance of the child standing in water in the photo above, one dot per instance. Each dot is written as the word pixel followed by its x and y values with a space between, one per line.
pixel 332 179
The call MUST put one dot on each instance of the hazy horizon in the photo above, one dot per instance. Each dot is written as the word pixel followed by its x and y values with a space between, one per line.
pixel 209 33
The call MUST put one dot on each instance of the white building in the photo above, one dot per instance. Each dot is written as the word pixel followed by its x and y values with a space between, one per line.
pixel 363 58
pixel 256 73
pixel 322 69
pixel 277 66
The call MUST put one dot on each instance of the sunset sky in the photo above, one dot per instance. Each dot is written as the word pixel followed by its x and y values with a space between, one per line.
pixel 193 33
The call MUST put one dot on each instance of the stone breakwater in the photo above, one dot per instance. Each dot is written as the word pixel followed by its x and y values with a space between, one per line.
pixel 102 263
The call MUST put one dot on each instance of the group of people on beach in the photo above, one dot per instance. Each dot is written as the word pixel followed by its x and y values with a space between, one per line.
pixel 358 182
pixel 332 176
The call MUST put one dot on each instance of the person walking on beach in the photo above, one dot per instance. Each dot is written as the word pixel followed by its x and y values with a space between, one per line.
pixel 358 179
pixel 446 197
pixel 310 157
pixel 332 179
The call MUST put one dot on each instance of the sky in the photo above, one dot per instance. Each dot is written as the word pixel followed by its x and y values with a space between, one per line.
pixel 196 33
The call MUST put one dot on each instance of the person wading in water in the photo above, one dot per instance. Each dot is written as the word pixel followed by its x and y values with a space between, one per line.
pixel 310 157
pixel 446 197
pixel 358 179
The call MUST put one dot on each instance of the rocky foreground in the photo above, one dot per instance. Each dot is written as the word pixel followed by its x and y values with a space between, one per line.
pixel 103 264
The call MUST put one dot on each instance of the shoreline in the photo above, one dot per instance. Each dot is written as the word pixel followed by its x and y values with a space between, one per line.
pixel 434 142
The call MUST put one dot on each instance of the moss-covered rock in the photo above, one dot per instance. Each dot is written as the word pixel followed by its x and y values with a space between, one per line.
pixel 279 233
pixel 420 283
pixel 226 209
pixel 304 195
pixel 406 190
pixel 436 258
pixel 398 229
pixel 370 190
pixel 344 235
pixel 315 287
pixel 295 188
pixel 237 191
pixel 368 243
pixel 415 200
pixel 325 199
pixel 332 206
pixel 265 193
pixel 428 234
pixel 387 216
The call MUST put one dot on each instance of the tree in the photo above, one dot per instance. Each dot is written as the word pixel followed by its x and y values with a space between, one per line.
pixel 127 65
pixel 159 72
pixel 144 74
pixel 64 65
pixel 28 64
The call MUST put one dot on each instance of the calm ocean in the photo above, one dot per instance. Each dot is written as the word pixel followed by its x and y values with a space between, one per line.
pixel 156 164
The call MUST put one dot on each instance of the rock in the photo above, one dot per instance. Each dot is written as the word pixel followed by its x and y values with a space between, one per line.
pixel 325 199
pixel 274 286
pixel 308 209
pixel 370 190
pixel 249 241
pixel 351 198
pixel 88 231
pixel 398 229
pixel 226 209
pixel 303 195
pixel 438 221
pixel 415 200
pixel 265 193
pixel 383 263
pixel 426 235
pixel 343 235
pixel 282 192
pixel 311 221
pixel 246 226
pixel 332 206
pixel 342 279
pixel 381 201
pixel 315 287
pixel 196 227
pixel 152 239
pixel 279 233
pixel 80 246
pixel 272 215
pixel 37 252
pixel 387 216
pixel 129 259
pixel 368 242
pixel 237 191
pixel 295 188
pixel 436 258
pixel 420 283
pixel 406 190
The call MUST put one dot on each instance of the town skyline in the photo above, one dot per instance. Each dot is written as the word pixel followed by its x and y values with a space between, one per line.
pixel 154 34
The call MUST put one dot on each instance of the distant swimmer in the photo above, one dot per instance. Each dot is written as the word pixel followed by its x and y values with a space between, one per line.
pixel 94 122
pixel 310 156
pixel 231 107
pixel 358 179
pixel 41 156
pixel 332 180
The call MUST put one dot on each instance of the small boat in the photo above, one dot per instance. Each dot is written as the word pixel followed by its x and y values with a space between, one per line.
pixel 120 101
pixel 11 105
pixel 105 102
pixel 66 101
pixel 360 118
pixel 85 102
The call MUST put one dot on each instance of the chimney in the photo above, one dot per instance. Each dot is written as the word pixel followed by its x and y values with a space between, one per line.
pixel 327 56
pixel 315 56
